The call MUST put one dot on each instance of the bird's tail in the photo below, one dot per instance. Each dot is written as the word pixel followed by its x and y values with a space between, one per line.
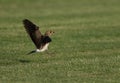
pixel 34 51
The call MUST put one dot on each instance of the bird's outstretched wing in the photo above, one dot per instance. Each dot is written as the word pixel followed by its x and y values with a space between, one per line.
pixel 33 31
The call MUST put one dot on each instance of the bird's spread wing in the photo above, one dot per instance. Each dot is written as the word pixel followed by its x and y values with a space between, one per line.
pixel 33 31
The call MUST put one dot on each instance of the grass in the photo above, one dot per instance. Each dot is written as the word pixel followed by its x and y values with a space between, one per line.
pixel 85 47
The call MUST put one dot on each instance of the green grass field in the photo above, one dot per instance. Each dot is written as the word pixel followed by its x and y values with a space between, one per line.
pixel 85 47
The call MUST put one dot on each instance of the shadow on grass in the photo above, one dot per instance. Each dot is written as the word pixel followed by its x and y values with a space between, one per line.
pixel 24 61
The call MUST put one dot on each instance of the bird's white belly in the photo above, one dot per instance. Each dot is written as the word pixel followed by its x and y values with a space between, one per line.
pixel 44 48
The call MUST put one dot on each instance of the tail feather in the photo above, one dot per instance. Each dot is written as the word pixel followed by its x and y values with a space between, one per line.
pixel 34 51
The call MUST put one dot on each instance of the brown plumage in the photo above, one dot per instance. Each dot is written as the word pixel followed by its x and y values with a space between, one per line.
pixel 36 36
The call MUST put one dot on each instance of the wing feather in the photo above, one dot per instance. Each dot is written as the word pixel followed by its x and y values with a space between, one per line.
pixel 33 32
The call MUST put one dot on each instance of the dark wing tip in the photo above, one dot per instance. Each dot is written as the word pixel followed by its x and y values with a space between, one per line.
pixel 28 24
pixel 25 20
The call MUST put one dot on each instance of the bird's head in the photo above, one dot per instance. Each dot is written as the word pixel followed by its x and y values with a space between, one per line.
pixel 49 33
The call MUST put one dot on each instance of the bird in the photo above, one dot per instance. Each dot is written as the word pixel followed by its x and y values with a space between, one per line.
pixel 41 41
